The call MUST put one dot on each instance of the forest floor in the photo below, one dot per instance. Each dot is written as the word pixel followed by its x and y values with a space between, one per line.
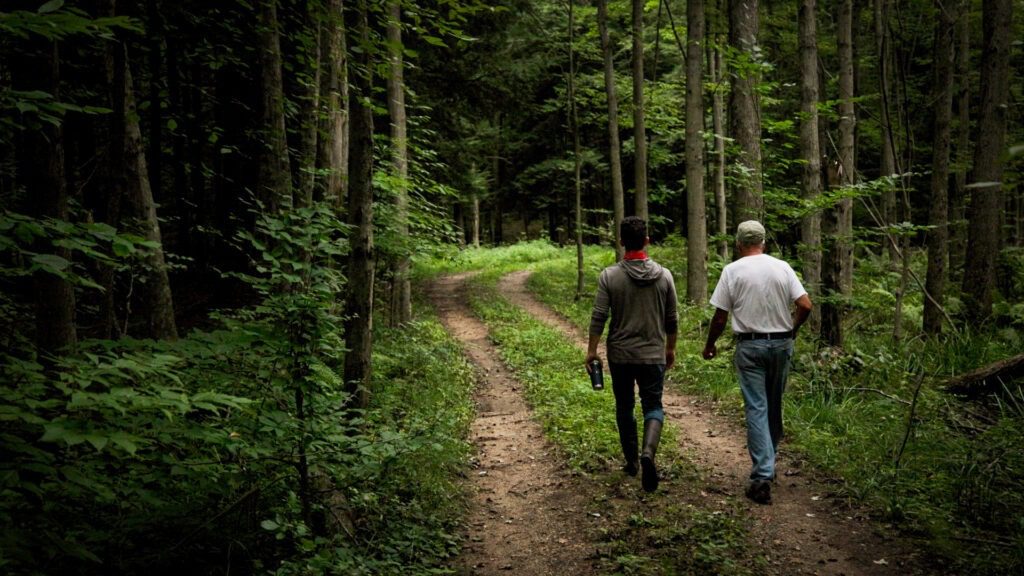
pixel 532 516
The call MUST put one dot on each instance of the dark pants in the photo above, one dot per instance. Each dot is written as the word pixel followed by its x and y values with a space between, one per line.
pixel 649 379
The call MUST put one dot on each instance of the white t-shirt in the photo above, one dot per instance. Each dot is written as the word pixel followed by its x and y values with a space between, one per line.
pixel 758 291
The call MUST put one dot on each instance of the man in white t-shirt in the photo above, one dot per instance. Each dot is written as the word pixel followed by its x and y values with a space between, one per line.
pixel 759 290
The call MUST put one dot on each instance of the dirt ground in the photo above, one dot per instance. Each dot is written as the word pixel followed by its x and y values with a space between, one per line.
pixel 804 531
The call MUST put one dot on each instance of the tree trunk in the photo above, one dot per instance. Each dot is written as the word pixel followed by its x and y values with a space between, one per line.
pixel 361 264
pixel 332 146
pixel 847 129
pixel 40 156
pixel 401 297
pixel 577 162
pixel 639 133
pixel 308 79
pixel 938 235
pixel 810 227
pixel 274 190
pixel 474 204
pixel 614 148
pixel 696 221
pixel 887 162
pixel 957 217
pixel 496 226
pixel 744 110
pixel 138 197
pixel 983 234
pixel 718 176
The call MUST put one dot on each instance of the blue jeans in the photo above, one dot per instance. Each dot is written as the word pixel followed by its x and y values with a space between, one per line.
pixel 649 379
pixel 763 366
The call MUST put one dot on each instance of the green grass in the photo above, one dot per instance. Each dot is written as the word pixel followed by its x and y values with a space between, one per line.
pixel 958 483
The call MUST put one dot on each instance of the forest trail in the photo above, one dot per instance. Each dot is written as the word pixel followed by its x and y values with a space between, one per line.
pixel 528 514
pixel 804 531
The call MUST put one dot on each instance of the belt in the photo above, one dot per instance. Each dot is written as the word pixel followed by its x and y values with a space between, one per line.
pixel 769 336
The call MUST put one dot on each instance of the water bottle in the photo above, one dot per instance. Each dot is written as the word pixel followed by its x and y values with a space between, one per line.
pixel 596 377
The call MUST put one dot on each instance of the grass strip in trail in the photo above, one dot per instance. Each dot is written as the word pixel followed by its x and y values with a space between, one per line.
pixel 958 482
pixel 660 533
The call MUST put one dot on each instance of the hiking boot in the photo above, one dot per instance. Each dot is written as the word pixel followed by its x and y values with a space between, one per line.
pixel 652 435
pixel 760 491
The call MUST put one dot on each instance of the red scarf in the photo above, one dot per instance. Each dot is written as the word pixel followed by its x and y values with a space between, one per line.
pixel 635 255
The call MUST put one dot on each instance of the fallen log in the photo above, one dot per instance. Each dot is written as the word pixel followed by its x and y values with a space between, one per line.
pixel 987 379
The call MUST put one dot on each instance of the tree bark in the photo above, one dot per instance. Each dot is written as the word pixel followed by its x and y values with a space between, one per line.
pixel 744 110
pixel 983 235
pixel 887 162
pixel 308 78
pixel 697 234
pixel 332 145
pixel 274 190
pixel 361 264
pixel 614 148
pixel 718 176
pixel 40 156
pixel 957 216
pixel 401 297
pixel 810 227
pixel 938 235
pixel 138 196
pixel 577 161
pixel 639 132
pixel 847 161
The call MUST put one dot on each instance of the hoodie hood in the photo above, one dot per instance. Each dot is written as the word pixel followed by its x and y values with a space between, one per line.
pixel 642 272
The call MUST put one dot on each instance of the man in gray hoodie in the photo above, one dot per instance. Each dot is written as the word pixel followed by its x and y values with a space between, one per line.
pixel 640 297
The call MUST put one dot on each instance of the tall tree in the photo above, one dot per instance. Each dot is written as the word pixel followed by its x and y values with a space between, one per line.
pixel 744 109
pixel 332 146
pixel 957 228
pixel 574 123
pixel 810 227
pixel 401 296
pixel 275 185
pixel 307 71
pixel 847 144
pixel 697 234
pixel 887 162
pixel 614 149
pixel 41 160
pixel 714 52
pixel 130 176
pixel 938 218
pixel 983 234
pixel 362 259
pixel 138 197
pixel 639 131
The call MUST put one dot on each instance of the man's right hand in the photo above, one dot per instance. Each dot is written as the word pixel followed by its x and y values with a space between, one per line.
pixel 590 358
pixel 710 351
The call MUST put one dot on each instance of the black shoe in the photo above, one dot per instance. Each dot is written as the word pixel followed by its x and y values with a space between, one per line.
pixel 650 477
pixel 760 491
pixel 652 435
pixel 631 468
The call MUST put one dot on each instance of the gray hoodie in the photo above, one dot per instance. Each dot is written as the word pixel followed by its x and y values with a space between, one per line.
pixel 640 297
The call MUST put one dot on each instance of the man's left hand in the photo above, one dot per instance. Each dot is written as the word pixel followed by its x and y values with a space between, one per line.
pixel 670 359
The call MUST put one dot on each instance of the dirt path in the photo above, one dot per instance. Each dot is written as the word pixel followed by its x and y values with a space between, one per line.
pixel 528 516
pixel 804 531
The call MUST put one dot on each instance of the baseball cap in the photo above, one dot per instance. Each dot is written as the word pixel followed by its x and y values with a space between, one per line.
pixel 750 233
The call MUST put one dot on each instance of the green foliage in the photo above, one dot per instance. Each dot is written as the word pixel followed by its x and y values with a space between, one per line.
pixel 235 445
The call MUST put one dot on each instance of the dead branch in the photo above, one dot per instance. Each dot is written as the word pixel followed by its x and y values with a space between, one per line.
pixel 877 391
pixel 987 379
